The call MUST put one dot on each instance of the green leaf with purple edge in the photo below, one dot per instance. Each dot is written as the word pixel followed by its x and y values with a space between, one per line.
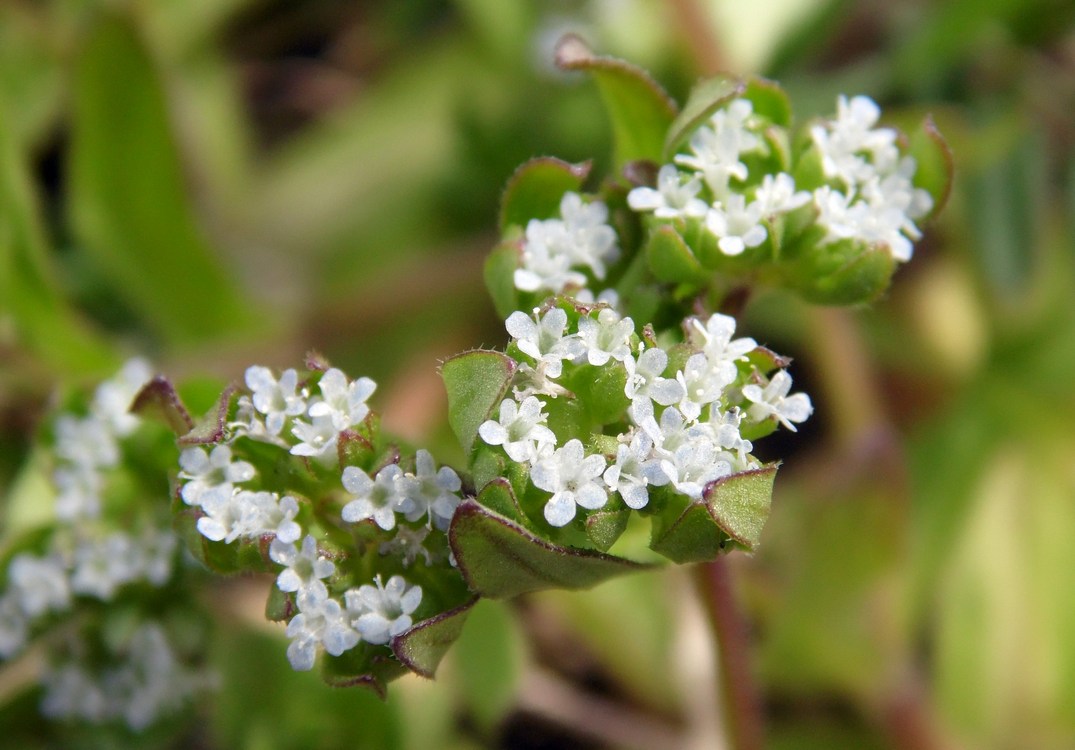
pixel 705 98
pixel 499 497
pixel 935 165
pixel 740 503
pixel 158 400
pixel 535 189
pixel 606 526
pixel 499 274
pixel 279 607
pixel 640 110
pixel 671 260
pixel 476 381
pixel 423 646
pixel 365 665
pixel 501 559
pixel 210 428
pixel 735 506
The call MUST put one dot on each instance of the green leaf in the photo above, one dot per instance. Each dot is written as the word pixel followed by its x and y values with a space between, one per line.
pixel 365 665
pixel 769 100
pixel 735 506
pixel 671 259
pixel 42 320
pixel 740 503
pixel 640 110
pixel 499 497
pixel 129 202
pixel 846 272
pixel 605 527
pixel 476 381
pixel 158 400
pixel 501 559
pixel 935 165
pixel 705 98
pixel 423 646
pixel 499 272
pixel 535 189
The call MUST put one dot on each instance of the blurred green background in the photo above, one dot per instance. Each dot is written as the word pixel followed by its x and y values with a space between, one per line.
pixel 215 183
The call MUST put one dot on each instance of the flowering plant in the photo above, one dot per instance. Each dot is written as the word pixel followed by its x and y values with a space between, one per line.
pixel 615 430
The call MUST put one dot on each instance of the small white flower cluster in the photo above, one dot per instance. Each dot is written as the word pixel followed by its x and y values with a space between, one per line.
pixel 685 428
pixel 85 558
pixel 555 250
pixel 429 493
pixel 873 198
pixel 282 412
pixel 374 614
pixel 146 680
pixel 876 200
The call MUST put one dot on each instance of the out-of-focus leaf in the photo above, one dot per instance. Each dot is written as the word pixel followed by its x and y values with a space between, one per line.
pixel 30 71
pixel 477 382
pixel 501 559
pixel 535 189
pixel 769 100
pixel 423 646
pixel 499 272
pixel 488 660
pixel 29 294
pixel 705 98
pixel 129 202
pixel 640 110
pixel 935 164
pixel 159 400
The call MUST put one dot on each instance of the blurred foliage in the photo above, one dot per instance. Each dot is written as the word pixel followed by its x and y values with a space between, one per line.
pixel 220 183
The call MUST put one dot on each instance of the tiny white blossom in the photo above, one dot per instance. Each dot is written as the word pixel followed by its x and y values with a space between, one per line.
pixel 773 401
pixel 574 480
pixel 102 566
pixel 320 621
pixel 382 611
pixel 39 584
pixel 211 477
pixel 546 260
pixel 520 429
pixel 673 197
pixel 694 464
pixel 776 195
pixel 409 544
pixel 430 492
pixel 542 337
pixel 112 400
pixel 724 431
pixel 78 492
pixel 645 378
pixel 634 470
pixel 592 241
pixel 608 337
pixel 714 339
pixel 344 402
pixel 377 498
pixel 303 568
pixel 716 147
pixel 86 442
pixel 317 438
pixel 736 224
pixel 702 384
pixel 13 626
pixel 846 141
pixel 276 399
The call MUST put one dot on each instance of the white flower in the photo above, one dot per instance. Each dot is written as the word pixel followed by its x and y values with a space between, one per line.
pixel 78 492
pixel 102 566
pixel 773 401
pixel 715 148
pixel 317 438
pixel 430 492
pixel 251 514
pixel 714 338
pixel 343 401
pixel 211 477
pixel 573 478
pixel 724 431
pixel 736 224
pixel 608 337
pixel 702 384
pixel 276 399
pixel 543 338
pixel 694 464
pixel 670 433
pixel 635 470
pixel 303 568
pixel 845 142
pixel 321 621
pixel 409 544
pixel 546 259
pixel 592 241
pixel 87 443
pixel 112 401
pixel 673 197
pixel 645 380
pixel 383 611
pixel 776 195
pixel 377 498
pixel 520 429
pixel 71 692
pixel 535 381
pixel 39 584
